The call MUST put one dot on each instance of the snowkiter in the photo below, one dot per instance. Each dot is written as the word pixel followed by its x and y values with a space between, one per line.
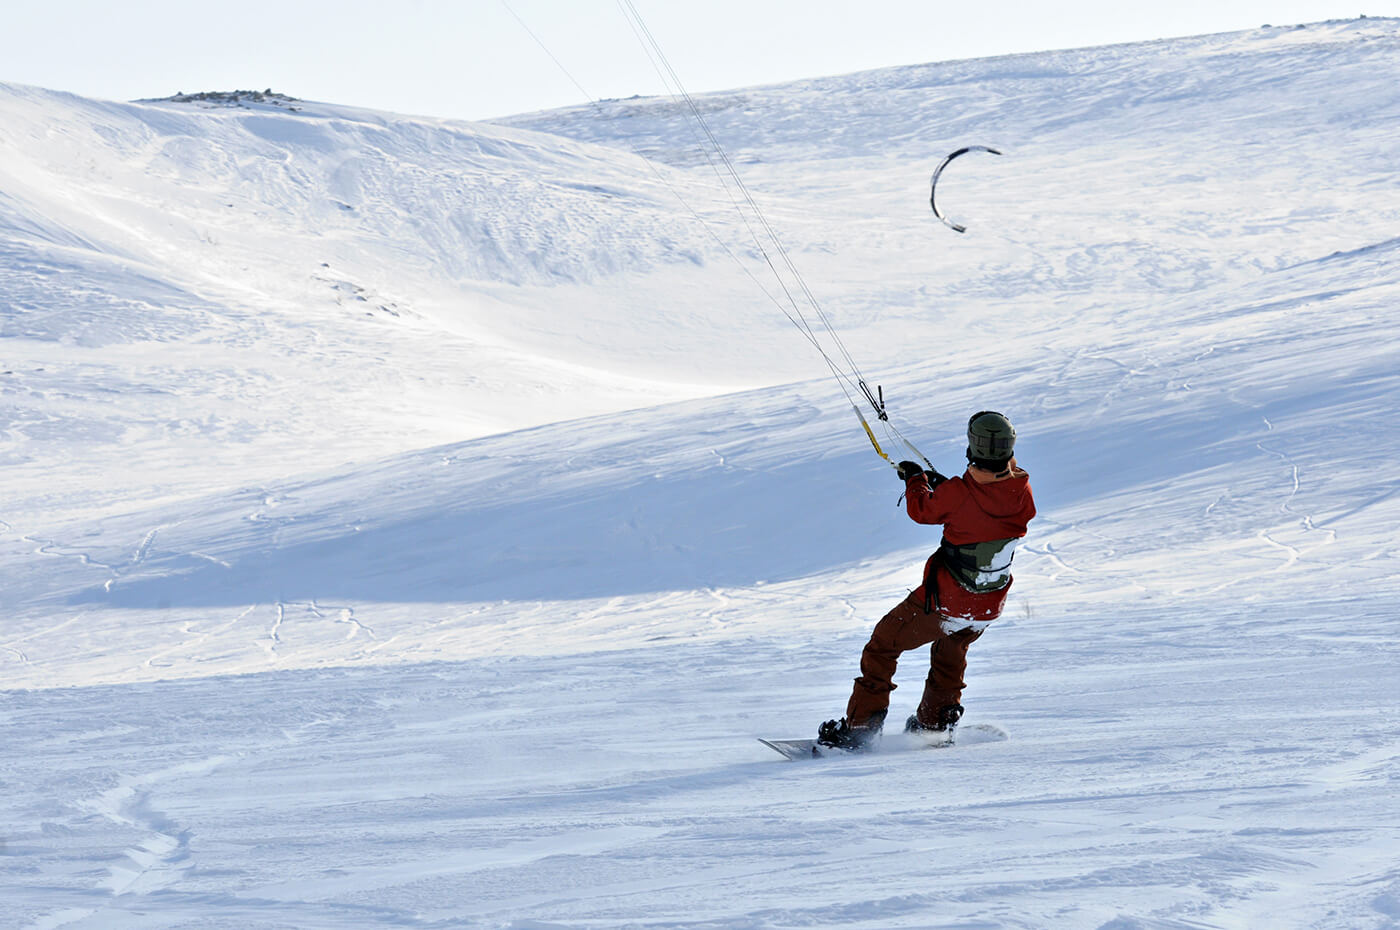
pixel 984 514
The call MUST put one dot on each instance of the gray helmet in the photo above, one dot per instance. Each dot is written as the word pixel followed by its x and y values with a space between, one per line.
pixel 990 437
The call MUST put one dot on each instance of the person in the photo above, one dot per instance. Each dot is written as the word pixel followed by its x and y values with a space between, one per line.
pixel 984 514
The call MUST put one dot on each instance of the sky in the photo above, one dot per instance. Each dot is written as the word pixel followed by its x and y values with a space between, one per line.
pixel 473 59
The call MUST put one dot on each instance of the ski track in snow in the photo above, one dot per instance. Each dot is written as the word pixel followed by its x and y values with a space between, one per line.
pixel 411 523
pixel 158 861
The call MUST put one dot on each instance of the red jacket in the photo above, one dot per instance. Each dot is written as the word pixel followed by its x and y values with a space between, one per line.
pixel 973 508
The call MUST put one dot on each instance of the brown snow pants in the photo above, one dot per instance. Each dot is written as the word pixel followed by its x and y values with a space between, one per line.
pixel 907 627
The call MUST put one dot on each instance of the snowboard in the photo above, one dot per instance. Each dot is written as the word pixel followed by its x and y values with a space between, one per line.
pixel 965 734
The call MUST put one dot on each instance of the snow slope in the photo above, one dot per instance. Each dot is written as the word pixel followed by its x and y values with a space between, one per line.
pixel 411 523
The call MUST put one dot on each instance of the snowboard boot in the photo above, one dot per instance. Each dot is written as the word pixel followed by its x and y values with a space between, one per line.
pixel 945 720
pixel 839 734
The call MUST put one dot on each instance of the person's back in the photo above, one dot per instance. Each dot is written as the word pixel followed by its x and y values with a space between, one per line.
pixel 984 514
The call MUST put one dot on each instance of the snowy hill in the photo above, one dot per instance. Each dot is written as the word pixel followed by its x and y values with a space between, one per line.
pixel 385 283
pixel 413 522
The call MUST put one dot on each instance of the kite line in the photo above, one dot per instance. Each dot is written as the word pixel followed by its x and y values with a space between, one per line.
pixel 795 291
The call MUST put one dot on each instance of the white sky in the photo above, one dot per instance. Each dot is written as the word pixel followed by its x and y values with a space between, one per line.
pixel 472 59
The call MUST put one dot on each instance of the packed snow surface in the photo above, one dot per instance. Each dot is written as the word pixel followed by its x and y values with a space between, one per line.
pixel 411 523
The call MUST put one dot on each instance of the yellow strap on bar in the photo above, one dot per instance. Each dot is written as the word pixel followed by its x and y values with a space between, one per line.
pixel 871 433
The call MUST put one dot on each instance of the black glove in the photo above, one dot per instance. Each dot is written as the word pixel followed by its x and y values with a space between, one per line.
pixel 907 470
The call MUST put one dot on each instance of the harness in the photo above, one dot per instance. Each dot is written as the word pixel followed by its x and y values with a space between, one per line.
pixel 980 567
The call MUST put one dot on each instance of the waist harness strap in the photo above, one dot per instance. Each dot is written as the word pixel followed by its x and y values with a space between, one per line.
pixel 979 567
